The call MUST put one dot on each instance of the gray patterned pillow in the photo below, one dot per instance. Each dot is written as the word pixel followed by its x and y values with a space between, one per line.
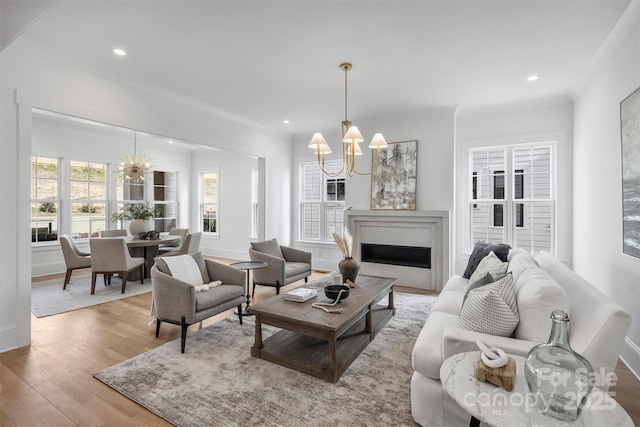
pixel 491 309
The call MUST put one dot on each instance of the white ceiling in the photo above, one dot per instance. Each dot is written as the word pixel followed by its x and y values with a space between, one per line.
pixel 267 61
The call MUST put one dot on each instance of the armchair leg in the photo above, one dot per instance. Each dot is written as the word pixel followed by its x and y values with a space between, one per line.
pixel 253 292
pixel 183 334
pixel 93 282
pixel 158 321
pixel 277 287
pixel 240 313
pixel 306 279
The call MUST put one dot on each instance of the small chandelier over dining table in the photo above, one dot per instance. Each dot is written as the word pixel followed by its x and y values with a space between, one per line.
pixel 136 164
pixel 351 139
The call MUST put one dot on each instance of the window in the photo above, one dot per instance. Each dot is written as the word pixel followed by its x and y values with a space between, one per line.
pixel 88 194
pixel 511 196
pixel 209 202
pixel 45 199
pixel 322 201
pixel 165 199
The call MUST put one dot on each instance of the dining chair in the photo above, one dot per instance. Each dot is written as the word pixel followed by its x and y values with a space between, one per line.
pixel 183 249
pixel 114 233
pixel 111 256
pixel 73 257
pixel 174 246
pixel 194 244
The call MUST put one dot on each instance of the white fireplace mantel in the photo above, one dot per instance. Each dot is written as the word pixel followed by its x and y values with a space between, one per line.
pixel 406 228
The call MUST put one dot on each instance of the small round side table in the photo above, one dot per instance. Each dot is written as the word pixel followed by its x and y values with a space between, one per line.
pixel 247 265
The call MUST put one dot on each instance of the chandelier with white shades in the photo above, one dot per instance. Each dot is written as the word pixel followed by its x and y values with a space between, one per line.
pixel 351 139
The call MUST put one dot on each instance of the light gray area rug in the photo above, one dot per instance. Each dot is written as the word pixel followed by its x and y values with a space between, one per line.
pixel 217 382
pixel 48 298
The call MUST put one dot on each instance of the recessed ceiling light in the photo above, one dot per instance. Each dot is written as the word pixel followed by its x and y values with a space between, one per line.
pixel 286 122
pixel 532 78
pixel 170 142
pixel 119 52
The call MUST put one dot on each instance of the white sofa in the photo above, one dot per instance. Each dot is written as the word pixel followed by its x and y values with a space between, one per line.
pixel 597 329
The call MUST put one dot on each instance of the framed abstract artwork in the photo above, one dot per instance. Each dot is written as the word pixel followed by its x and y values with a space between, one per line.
pixel 393 184
pixel 630 134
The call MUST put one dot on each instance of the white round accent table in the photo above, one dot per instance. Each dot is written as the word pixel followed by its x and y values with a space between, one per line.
pixel 497 407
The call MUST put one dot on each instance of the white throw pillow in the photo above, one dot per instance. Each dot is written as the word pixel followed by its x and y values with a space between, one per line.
pixel 491 309
pixel 490 264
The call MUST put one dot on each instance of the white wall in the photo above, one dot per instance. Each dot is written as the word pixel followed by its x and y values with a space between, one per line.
pixel 597 177
pixel 434 130
pixel 33 79
pixel 542 121
pixel 234 195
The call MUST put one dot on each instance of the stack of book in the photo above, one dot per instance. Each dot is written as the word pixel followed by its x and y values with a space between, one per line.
pixel 300 294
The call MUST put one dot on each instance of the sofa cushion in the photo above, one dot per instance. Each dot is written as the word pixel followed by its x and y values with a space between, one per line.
pixel 489 264
pixel 491 309
pixel 480 251
pixel 537 295
pixel 427 351
pixel 223 293
pixel 269 247
pixel 295 268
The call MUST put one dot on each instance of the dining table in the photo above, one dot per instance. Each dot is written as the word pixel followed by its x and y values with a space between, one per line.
pixel 148 248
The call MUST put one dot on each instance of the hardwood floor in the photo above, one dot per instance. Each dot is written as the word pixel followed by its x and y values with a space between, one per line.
pixel 50 382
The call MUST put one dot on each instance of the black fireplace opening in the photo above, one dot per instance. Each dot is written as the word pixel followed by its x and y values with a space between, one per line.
pixel 408 256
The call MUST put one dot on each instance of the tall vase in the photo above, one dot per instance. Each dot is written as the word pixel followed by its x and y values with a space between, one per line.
pixel 558 376
pixel 349 268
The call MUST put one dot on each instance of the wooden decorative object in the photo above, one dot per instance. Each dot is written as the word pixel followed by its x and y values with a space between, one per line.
pixel 503 377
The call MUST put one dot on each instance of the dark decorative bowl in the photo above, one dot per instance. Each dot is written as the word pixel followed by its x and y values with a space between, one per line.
pixel 332 291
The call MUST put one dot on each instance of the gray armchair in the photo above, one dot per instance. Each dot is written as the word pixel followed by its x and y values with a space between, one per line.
pixel 73 258
pixel 284 264
pixel 177 302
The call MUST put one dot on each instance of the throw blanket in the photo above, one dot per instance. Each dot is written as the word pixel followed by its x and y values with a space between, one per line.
pixel 184 268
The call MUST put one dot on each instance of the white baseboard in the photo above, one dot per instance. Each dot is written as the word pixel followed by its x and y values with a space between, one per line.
pixel 48 268
pixel 631 357
pixel 9 338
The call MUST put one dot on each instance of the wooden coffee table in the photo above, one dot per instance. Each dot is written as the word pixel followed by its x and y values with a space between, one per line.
pixel 318 343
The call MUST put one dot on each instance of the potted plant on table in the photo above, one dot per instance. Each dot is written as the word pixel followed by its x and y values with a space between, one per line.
pixel 138 215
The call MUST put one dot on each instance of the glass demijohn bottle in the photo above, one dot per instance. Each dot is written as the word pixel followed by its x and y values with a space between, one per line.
pixel 559 377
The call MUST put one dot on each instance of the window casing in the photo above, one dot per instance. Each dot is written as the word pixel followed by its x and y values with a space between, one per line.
pixel 512 197
pixel 45 199
pixel 322 201
pixel 209 202
pixel 254 203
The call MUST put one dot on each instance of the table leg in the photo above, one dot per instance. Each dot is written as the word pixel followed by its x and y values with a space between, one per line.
pixel 332 364
pixel 245 311
pixel 258 341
